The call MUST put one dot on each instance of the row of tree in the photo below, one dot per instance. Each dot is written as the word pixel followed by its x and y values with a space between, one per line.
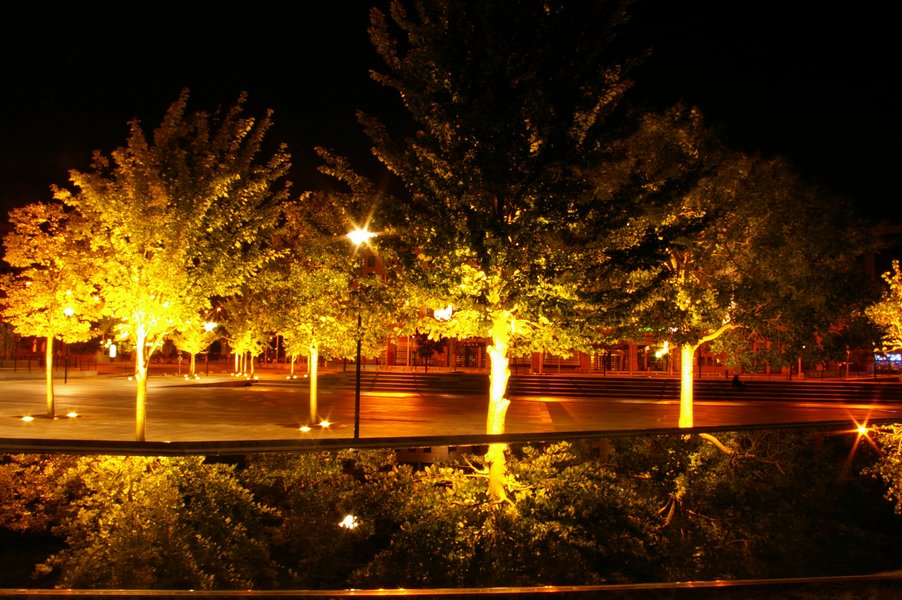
pixel 540 209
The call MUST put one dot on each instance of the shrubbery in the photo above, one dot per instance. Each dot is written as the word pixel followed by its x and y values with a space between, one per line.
pixel 638 509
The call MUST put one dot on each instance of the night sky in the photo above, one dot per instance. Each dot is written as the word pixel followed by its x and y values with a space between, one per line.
pixel 817 83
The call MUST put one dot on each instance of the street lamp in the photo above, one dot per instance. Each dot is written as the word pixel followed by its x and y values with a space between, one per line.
pixel 358 237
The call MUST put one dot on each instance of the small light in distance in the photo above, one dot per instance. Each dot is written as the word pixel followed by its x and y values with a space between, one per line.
pixel 349 522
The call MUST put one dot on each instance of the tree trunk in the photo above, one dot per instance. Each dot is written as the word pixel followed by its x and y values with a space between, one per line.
pixel 141 394
pixel 498 404
pixel 313 374
pixel 192 364
pixel 687 372
pixel 48 373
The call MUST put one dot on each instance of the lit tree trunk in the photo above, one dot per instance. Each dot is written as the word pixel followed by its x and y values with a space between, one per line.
pixel 687 381
pixel 687 374
pixel 141 379
pixel 291 368
pixel 498 403
pixel 313 373
pixel 192 364
pixel 236 364
pixel 48 374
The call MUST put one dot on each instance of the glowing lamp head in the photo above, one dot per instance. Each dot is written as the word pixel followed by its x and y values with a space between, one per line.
pixel 209 326
pixel 360 236
pixel 68 311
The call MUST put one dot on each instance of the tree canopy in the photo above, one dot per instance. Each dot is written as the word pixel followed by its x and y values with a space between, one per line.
pixel 178 217
pixel 52 292
pixel 887 312
pixel 505 224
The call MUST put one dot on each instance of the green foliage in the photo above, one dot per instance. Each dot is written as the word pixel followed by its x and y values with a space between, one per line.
pixel 179 216
pixel 29 501
pixel 889 467
pixel 513 108
pixel 193 337
pixel 316 289
pixel 767 504
pixel 315 492
pixel 799 268
pixel 779 503
pixel 159 523
pixel 51 292
pixel 570 520
pixel 887 312
pixel 244 322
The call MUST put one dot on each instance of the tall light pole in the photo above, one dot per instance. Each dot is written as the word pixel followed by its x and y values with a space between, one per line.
pixel 358 237
pixel 357 383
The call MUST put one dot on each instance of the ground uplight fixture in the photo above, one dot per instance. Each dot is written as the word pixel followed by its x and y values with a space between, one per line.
pixel 28 418
pixel 72 414
pixel 305 428
pixel 324 424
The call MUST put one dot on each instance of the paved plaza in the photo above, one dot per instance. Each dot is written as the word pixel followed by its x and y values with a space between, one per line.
pixel 221 408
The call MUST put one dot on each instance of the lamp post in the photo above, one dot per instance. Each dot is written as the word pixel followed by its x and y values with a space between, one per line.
pixel 68 311
pixel 209 326
pixel 358 237
pixel 357 384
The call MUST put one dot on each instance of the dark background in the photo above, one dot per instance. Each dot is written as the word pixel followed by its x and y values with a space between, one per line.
pixel 817 83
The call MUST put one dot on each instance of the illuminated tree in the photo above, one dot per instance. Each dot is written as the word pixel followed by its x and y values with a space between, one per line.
pixel 888 311
pixel 503 227
pixel 194 337
pixel 178 217
pixel 50 294
pixel 245 323
pixel 316 291
pixel 774 260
